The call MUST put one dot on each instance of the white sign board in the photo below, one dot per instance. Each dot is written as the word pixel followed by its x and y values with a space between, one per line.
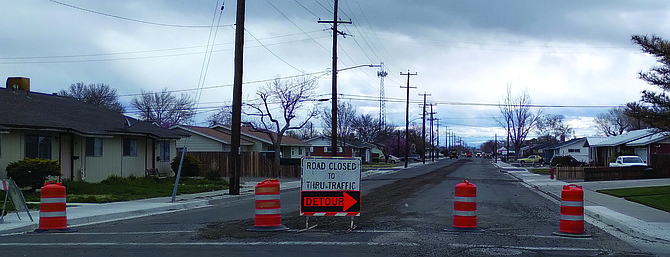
pixel 331 174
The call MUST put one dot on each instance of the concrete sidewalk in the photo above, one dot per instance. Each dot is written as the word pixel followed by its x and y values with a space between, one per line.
pixel 631 218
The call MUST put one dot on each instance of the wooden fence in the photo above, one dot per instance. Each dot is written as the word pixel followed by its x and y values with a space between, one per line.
pixel 618 173
pixel 252 164
pixel 569 173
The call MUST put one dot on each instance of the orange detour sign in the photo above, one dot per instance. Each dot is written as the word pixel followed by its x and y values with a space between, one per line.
pixel 572 212
pixel 268 207
pixel 53 216
pixel 465 208
pixel 330 203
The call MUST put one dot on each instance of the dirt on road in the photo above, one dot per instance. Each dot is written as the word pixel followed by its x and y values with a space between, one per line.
pixel 380 210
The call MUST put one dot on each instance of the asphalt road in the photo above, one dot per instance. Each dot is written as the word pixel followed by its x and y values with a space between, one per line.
pixel 403 214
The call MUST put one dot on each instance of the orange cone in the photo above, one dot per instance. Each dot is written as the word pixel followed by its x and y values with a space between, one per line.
pixel 53 217
pixel 572 212
pixel 465 208
pixel 268 207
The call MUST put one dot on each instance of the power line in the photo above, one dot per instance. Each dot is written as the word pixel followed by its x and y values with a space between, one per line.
pixel 135 20
pixel 230 85
pixel 156 50
pixel 273 53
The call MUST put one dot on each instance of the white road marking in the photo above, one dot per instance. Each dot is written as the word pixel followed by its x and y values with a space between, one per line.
pixel 530 248
pixel 182 244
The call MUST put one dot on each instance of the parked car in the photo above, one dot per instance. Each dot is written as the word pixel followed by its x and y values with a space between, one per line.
pixel 393 159
pixel 628 161
pixel 532 159
pixel 566 161
pixel 412 158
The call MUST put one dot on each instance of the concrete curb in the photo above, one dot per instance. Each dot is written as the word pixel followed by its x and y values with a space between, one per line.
pixel 629 225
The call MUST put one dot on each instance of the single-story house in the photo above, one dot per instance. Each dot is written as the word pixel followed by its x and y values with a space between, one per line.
pixel 578 148
pixel 90 143
pixel 207 139
pixel 642 142
pixel 321 146
pixel 217 138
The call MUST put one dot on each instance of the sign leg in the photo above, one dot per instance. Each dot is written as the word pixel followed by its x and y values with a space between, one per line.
pixel 351 226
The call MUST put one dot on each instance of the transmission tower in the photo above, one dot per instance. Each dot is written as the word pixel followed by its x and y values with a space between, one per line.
pixel 382 98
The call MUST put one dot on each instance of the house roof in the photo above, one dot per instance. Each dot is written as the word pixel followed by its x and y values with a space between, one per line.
pixel 32 110
pixel 594 141
pixel 649 139
pixel 569 142
pixel 211 133
pixel 263 137
pixel 625 138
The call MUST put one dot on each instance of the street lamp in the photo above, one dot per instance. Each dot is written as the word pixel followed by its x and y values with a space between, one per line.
pixel 333 142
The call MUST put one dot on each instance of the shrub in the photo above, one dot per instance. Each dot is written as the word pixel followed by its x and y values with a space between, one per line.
pixel 567 161
pixel 213 175
pixel 32 172
pixel 191 167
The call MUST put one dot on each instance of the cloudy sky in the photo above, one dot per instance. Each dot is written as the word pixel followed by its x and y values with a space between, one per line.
pixel 564 53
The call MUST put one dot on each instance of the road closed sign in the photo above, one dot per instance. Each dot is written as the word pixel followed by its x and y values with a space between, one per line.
pixel 330 186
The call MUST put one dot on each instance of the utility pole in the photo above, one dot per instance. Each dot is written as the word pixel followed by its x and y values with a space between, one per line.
pixel 432 146
pixel 438 136
pixel 423 133
pixel 335 21
pixel 234 160
pixel 408 74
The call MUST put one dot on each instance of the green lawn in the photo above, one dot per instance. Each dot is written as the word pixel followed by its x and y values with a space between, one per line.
pixel 656 197
pixel 116 189
pixel 541 171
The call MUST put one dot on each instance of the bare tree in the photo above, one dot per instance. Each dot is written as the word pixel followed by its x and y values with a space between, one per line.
pixel 97 94
pixel 306 132
pixel 553 126
pixel 163 108
pixel 346 113
pixel 222 116
pixel 613 123
pixel 290 97
pixel 517 118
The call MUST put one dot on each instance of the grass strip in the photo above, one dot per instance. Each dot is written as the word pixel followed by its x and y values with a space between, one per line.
pixel 656 197
pixel 541 171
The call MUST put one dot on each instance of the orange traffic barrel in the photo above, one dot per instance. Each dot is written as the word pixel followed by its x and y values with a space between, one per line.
pixel 465 207
pixel 53 216
pixel 268 207
pixel 572 212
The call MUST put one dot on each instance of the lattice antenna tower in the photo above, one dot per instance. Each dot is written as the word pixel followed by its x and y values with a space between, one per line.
pixel 382 98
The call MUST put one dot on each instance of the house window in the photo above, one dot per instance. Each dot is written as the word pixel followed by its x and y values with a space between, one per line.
pixel 328 149
pixel 130 147
pixel 299 150
pixel 573 150
pixel 165 151
pixel 38 147
pixel 93 146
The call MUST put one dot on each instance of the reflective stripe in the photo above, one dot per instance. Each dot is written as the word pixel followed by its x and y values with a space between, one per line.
pixel 572 217
pixel 52 214
pixel 464 213
pixel 572 203
pixel 267 197
pixel 267 190
pixel 464 199
pixel 268 211
pixel 52 200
